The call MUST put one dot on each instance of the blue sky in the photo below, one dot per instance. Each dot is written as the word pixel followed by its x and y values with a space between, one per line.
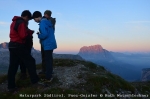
pixel 117 25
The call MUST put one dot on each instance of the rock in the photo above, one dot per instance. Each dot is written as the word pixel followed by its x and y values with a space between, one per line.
pixel 94 52
pixel 145 74
pixel 68 76
pixel 4 45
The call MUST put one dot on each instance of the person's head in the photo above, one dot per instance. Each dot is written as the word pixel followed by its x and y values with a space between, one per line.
pixel 37 16
pixel 47 14
pixel 26 15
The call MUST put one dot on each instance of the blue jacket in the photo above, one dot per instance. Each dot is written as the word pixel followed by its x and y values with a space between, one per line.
pixel 46 35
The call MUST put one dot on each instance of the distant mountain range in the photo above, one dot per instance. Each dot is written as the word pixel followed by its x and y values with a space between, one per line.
pixel 4 53
pixel 4 57
pixel 4 45
pixel 110 60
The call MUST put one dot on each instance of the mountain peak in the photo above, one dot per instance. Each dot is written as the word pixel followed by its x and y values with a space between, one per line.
pixel 93 48
pixel 94 52
pixel 4 45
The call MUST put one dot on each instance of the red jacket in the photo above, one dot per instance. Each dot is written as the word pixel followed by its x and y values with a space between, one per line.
pixel 22 31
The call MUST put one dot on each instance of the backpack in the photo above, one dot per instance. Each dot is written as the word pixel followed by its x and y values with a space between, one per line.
pixel 53 20
pixel 18 22
pixel 29 41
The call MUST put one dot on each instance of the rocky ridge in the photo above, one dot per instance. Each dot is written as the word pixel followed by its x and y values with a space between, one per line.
pixel 80 78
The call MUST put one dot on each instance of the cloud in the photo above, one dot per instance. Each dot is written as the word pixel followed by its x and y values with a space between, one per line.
pixel 3 23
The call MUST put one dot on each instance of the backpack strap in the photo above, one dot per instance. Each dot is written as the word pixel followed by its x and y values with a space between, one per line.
pixel 18 22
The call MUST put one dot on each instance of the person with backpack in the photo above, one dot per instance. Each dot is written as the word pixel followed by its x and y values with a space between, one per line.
pixel 29 45
pixel 19 37
pixel 47 14
pixel 48 42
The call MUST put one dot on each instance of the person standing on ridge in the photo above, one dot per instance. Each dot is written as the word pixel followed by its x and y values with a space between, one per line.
pixel 47 14
pixel 29 45
pixel 48 42
pixel 19 36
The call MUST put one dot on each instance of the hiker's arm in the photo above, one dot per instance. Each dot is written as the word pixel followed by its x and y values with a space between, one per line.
pixel 43 32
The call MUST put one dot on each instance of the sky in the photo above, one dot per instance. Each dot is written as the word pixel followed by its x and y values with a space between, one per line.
pixel 116 25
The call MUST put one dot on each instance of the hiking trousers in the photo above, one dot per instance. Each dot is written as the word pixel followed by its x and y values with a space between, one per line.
pixel 19 52
pixel 43 59
pixel 48 56
pixel 22 66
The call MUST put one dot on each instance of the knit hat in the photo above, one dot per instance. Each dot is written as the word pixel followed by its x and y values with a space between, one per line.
pixel 37 14
pixel 48 12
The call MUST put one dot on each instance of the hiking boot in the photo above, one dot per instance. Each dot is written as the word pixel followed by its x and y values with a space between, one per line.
pixel 47 80
pixel 38 85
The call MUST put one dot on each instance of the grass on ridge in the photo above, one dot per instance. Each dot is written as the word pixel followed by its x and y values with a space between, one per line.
pixel 98 79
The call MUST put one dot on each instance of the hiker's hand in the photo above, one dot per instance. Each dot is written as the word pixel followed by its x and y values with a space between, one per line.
pixel 38 33
pixel 33 31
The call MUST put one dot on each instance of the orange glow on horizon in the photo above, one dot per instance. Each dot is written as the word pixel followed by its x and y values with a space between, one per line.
pixel 114 48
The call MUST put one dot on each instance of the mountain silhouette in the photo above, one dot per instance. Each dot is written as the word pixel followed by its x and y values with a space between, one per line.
pixel 94 52
pixel 101 56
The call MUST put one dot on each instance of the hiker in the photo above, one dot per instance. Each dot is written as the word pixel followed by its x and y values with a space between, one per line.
pixel 19 36
pixel 47 14
pixel 29 45
pixel 48 42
